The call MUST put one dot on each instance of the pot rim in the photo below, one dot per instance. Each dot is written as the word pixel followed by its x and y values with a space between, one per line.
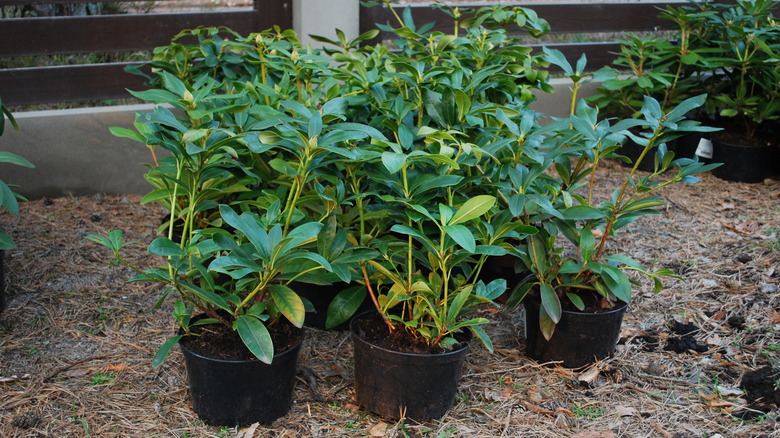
pixel 622 305
pixel 290 350
pixel 356 337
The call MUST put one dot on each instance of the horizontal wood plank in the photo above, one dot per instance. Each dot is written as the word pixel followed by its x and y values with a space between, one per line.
pixel 60 2
pixel 112 33
pixel 67 83
pixel 563 18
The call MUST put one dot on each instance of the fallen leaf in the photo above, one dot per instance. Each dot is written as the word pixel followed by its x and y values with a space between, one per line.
pixel 720 315
pixel 729 392
pixel 76 372
pixel 714 340
pixel 727 206
pixel 249 432
pixel 626 411
pixel 379 429
pixel 590 375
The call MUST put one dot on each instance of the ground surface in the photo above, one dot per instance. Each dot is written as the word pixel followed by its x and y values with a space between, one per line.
pixel 76 342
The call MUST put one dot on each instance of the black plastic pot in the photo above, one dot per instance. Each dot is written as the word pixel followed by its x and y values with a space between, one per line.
pixel 2 280
pixel 241 392
pixel 687 145
pixel 393 384
pixel 579 339
pixel 320 297
pixel 633 151
pixel 750 164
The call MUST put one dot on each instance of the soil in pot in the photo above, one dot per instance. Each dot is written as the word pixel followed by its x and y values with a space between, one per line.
pixel 418 384
pixel 229 386
pixel 744 163
pixel 579 339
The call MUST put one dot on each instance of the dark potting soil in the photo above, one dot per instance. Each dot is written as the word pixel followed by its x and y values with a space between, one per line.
pixel 683 344
pixel 593 304
pixel 682 329
pixel 761 389
pixel 374 330
pixel 217 341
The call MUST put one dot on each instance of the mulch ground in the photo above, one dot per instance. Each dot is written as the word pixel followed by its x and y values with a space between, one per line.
pixel 76 341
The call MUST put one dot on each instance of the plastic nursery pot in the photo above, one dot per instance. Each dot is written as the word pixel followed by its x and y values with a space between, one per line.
pixel 687 146
pixel 750 164
pixel 320 297
pixel 241 392
pixel 393 384
pixel 579 339
pixel 2 281
pixel 632 151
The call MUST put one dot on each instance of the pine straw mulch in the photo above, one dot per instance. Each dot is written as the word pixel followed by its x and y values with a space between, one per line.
pixel 76 341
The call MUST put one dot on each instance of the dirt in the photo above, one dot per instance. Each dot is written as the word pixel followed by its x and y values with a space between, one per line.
pixel 77 340
pixel 219 341
pixel 374 330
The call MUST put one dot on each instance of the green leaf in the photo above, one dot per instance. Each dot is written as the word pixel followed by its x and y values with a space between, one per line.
pixel 288 303
pixel 587 244
pixel 162 246
pixel 583 212
pixel 256 337
pixel 462 236
pixel 9 157
pixel 472 209
pixel 456 306
pixel 162 352
pixel 344 305
pixel 482 336
pixel 5 241
pixel 550 302
pixel 393 162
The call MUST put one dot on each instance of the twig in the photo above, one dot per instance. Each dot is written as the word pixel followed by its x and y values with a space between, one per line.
pixel 78 362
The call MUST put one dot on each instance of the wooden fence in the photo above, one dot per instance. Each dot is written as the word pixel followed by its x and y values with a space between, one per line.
pixel 575 18
pixel 104 33
pixel 112 33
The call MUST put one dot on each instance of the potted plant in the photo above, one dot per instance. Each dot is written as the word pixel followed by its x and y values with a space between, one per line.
pixel 739 45
pixel 446 103
pixel 8 198
pixel 249 204
pixel 656 66
pixel 577 278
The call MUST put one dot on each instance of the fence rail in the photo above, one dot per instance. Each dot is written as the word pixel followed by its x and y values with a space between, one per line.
pixel 104 33
pixel 110 33
pixel 574 18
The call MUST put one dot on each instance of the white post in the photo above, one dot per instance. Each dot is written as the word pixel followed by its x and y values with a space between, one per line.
pixel 323 17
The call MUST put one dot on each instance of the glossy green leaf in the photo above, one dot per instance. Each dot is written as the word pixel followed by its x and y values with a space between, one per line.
pixel 472 209
pixel 583 212
pixel 482 336
pixel 288 303
pixel 393 162
pixel 550 302
pixel 344 305
pixel 462 236
pixel 162 352
pixel 163 246
pixel 255 336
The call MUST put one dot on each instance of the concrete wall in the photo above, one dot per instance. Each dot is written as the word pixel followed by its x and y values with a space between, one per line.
pixel 322 17
pixel 75 153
